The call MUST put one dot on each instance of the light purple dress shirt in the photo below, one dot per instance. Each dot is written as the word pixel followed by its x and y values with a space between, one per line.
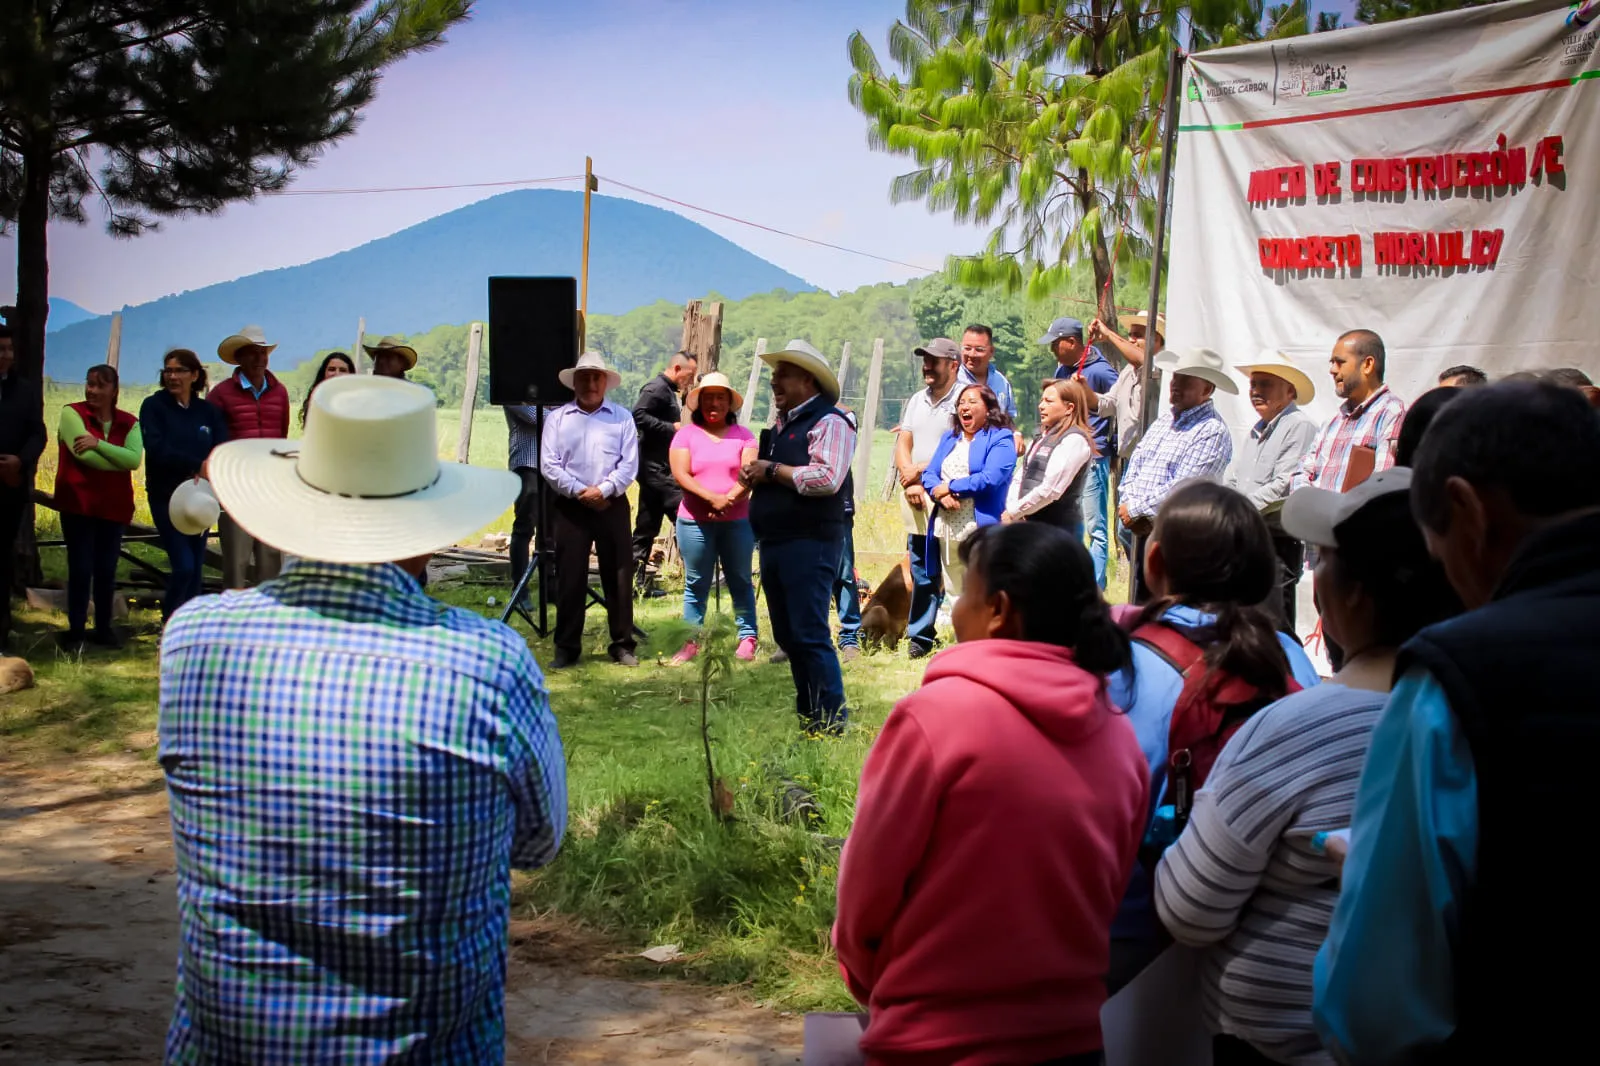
pixel 581 448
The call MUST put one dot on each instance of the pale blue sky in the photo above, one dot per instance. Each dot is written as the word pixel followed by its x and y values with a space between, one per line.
pixel 736 105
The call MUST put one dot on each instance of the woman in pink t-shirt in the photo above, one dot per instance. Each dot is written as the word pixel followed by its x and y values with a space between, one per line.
pixel 714 518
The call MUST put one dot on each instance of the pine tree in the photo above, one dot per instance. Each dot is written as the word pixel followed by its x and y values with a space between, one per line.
pixel 1391 10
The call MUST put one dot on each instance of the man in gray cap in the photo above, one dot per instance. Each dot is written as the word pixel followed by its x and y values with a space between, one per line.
pixel 1075 359
pixel 926 416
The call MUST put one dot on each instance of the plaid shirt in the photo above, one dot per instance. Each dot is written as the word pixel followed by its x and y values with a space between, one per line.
pixel 831 444
pixel 1195 444
pixel 353 768
pixel 522 442
pixel 1375 424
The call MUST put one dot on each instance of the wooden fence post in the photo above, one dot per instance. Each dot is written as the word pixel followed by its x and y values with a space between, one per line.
pixel 469 393
pixel 844 371
pixel 702 335
pixel 114 344
pixel 358 354
pixel 748 408
pixel 869 422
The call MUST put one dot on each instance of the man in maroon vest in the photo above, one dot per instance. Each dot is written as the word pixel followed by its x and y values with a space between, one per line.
pixel 256 405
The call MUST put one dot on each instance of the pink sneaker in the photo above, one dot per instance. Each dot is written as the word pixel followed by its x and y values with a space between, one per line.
pixel 746 650
pixel 686 653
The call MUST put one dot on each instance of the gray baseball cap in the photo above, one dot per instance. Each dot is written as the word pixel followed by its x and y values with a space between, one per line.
pixel 1062 327
pixel 940 348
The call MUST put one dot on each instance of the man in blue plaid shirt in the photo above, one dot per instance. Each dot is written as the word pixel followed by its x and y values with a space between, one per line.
pixel 353 767
pixel 1189 441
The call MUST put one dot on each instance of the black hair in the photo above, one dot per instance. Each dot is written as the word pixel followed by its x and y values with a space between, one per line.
pixel 1047 575
pixel 190 362
pixel 1469 375
pixel 980 329
pixel 1568 377
pixel 1383 553
pixel 1219 560
pixel 1364 343
pixel 684 353
pixel 995 416
pixel 1419 416
pixel 731 420
pixel 107 373
pixel 320 376
pixel 1538 443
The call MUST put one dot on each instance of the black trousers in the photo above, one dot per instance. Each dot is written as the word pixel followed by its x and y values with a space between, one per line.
pixel 93 547
pixel 659 496
pixel 1291 555
pixel 524 520
pixel 578 530
pixel 12 503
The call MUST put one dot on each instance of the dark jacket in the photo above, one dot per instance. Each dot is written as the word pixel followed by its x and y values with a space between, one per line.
pixel 777 512
pixel 22 430
pixel 177 442
pixel 656 414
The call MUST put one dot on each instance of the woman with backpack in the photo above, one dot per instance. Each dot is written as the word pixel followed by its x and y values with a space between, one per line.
pixel 1249 880
pixel 997 819
pixel 1206 655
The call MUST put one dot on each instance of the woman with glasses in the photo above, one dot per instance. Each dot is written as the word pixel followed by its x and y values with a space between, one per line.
pixel 180 429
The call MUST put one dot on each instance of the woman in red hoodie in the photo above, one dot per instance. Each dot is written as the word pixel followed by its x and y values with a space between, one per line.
pixel 998 818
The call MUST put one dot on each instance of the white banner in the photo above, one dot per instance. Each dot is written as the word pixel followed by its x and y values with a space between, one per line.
pixel 1436 180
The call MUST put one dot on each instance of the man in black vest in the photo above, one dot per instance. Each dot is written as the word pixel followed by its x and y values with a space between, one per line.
pixel 798 513
pixel 1461 933
pixel 658 416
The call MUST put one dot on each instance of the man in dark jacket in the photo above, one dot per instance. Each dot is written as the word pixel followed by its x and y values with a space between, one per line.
pixel 22 439
pixel 658 416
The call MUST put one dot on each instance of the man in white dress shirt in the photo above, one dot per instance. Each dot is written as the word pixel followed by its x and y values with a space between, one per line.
pixel 589 457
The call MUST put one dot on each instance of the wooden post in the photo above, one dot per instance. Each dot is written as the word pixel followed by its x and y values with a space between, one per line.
pixel 868 421
pixel 114 345
pixel 748 408
pixel 702 335
pixel 469 393
pixel 358 354
pixel 844 372
pixel 589 186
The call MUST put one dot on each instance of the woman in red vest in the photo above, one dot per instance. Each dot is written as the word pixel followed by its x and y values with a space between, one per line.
pixel 100 447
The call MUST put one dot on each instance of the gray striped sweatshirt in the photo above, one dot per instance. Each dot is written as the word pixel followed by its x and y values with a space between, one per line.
pixel 1243 882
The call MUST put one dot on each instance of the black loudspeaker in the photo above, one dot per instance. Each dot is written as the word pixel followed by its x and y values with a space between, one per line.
pixel 533 336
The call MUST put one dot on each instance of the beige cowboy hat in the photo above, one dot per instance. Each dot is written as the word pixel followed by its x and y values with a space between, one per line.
pixel 396 345
pixel 800 354
pixel 714 380
pixel 1274 362
pixel 590 361
pixel 365 484
pixel 1202 363
pixel 249 336
pixel 1143 319
pixel 193 508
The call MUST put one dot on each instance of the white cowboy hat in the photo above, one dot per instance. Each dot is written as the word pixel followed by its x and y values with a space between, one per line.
pixel 193 508
pixel 799 353
pixel 365 485
pixel 396 345
pixel 1202 363
pixel 1143 319
pixel 590 361
pixel 714 380
pixel 246 337
pixel 1279 365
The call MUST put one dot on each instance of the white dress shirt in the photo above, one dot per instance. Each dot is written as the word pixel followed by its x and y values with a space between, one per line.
pixel 582 448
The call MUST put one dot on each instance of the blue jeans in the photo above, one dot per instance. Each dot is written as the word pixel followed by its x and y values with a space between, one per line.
pixel 1096 500
pixel 922 625
pixel 186 560
pixel 846 595
pixel 703 545
pixel 798 576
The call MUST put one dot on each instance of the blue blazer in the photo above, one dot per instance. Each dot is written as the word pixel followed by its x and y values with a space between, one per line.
pixel 993 459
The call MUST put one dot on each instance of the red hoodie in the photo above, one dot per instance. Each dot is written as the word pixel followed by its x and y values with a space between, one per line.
pixel 999 815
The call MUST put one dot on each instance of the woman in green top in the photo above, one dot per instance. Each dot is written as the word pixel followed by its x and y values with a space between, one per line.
pixel 99 448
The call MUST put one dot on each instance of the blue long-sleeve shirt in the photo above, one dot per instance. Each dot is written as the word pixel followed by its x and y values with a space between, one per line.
pixel 177 441
pixel 1100 376
pixel 1384 983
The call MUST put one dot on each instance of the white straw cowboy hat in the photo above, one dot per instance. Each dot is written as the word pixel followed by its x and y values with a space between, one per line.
pixel 395 345
pixel 1202 363
pixel 247 337
pixel 714 380
pixel 1280 366
pixel 193 508
pixel 1143 319
pixel 800 354
pixel 590 361
pixel 365 485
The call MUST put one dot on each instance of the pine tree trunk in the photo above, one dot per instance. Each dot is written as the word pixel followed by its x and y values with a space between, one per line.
pixel 33 307
pixel 1105 296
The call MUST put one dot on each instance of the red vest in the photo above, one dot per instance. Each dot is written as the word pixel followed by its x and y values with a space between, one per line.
pixel 81 489
pixel 247 416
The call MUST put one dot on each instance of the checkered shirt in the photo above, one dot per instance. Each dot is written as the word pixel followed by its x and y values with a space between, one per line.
pixel 353 769
pixel 1195 444
pixel 1375 424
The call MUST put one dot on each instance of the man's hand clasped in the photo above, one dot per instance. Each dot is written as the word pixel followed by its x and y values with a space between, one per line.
pixel 593 498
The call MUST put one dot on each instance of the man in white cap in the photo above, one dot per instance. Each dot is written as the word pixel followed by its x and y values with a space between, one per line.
pixel 798 514
pixel 391 357
pixel 589 455
pixel 1190 440
pixel 256 406
pixel 928 414
pixel 353 767
pixel 1272 453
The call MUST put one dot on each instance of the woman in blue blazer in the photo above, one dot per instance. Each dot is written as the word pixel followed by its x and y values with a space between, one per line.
pixel 968 478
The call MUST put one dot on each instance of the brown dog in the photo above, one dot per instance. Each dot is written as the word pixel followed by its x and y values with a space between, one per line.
pixel 888 608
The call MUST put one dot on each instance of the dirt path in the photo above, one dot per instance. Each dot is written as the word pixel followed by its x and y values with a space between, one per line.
pixel 88 932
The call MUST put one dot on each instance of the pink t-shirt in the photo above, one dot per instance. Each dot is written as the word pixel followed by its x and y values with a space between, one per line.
pixel 715 464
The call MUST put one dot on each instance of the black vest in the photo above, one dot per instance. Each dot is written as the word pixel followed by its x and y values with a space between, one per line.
pixel 777 512
pixel 1066 510
pixel 1520 674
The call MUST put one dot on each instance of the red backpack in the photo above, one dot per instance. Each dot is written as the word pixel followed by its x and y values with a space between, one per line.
pixel 1210 710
